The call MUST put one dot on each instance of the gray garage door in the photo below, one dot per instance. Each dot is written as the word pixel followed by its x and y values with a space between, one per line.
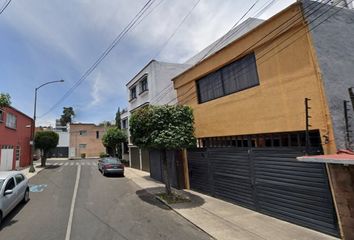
pixel 135 157
pixel 268 180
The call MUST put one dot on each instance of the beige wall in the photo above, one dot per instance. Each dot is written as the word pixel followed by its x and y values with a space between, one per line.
pixel 288 73
pixel 94 145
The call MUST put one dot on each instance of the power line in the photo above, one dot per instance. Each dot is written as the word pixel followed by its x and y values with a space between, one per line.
pixel 237 22
pixel 6 4
pixel 264 7
pixel 120 36
pixel 165 44
pixel 259 63
pixel 177 28
pixel 269 33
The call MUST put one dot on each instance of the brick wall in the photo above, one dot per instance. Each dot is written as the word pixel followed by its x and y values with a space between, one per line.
pixel 93 144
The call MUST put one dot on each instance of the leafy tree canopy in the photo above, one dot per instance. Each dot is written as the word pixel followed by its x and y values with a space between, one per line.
pixel 46 140
pixel 163 127
pixel 105 124
pixel 66 117
pixel 5 100
pixel 117 118
pixel 113 137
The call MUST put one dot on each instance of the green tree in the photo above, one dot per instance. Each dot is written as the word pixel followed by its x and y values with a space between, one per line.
pixel 164 128
pixel 5 100
pixel 117 118
pixel 66 117
pixel 113 138
pixel 105 124
pixel 45 141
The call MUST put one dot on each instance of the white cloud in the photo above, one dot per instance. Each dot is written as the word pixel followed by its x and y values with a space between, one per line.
pixel 76 33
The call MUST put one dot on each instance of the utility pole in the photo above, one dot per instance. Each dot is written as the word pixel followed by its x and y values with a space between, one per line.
pixel 347 125
pixel 307 122
pixel 32 169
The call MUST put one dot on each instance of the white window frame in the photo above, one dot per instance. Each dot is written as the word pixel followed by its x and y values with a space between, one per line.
pixel 11 120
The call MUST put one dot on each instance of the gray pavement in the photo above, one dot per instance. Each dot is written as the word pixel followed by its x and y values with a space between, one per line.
pixel 106 208
pixel 227 221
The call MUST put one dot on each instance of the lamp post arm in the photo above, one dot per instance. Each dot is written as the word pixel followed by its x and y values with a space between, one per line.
pixel 48 83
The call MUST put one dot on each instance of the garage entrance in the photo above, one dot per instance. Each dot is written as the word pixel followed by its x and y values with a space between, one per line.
pixel 6 160
pixel 268 180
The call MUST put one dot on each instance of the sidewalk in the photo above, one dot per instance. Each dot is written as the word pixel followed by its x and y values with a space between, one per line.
pixel 223 220
pixel 26 172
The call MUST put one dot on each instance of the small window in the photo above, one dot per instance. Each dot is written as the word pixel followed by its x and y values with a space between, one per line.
pixel 10 184
pixel 1 115
pixel 19 178
pixel 133 93
pixel 18 153
pixel 124 123
pixel 11 120
pixel 83 132
pixel 82 145
pixel 144 84
pixel 97 134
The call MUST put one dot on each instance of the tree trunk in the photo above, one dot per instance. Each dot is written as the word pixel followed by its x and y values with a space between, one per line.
pixel 119 150
pixel 166 172
pixel 114 151
pixel 43 158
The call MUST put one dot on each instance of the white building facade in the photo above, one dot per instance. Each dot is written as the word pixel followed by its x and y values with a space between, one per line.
pixel 151 86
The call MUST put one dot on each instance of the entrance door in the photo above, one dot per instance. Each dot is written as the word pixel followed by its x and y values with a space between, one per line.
pixel 6 161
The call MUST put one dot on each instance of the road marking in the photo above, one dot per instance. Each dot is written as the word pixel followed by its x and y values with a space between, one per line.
pixel 77 164
pixel 66 164
pixel 61 164
pixel 37 188
pixel 71 164
pixel 70 222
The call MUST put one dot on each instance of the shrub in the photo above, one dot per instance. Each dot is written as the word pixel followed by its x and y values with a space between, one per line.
pixel 103 155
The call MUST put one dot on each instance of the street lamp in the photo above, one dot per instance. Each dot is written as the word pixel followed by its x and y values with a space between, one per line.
pixel 34 118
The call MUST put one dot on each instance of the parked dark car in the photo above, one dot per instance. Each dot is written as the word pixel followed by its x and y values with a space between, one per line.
pixel 110 165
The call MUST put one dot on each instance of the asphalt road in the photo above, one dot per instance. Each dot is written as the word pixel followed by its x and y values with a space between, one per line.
pixel 105 208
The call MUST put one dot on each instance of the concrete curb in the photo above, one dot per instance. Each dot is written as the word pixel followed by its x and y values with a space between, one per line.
pixel 170 207
pixel 29 175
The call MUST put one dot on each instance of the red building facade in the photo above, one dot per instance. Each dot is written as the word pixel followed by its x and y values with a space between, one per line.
pixel 15 137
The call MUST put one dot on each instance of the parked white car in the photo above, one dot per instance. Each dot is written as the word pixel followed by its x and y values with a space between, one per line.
pixel 13 189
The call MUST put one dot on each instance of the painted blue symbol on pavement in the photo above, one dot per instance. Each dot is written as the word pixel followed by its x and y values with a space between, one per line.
pixel 38 188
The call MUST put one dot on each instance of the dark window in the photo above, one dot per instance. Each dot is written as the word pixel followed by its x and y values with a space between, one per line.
pixel 83 132
pixel 19 178
pixel 133 93
pixel 124 123
pixel 97 134
pixel 294 140
pixel 1 115
pixel 10 184
pixel 144 84
pixel 210 87
pixel 237 76
pixel 285 139
pixel 240 74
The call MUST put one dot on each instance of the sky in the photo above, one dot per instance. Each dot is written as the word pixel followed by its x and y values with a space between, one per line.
pixel 43 41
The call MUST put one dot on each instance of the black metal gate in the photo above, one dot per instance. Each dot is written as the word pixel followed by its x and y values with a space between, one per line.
pixel 268 180
pixel 134 157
